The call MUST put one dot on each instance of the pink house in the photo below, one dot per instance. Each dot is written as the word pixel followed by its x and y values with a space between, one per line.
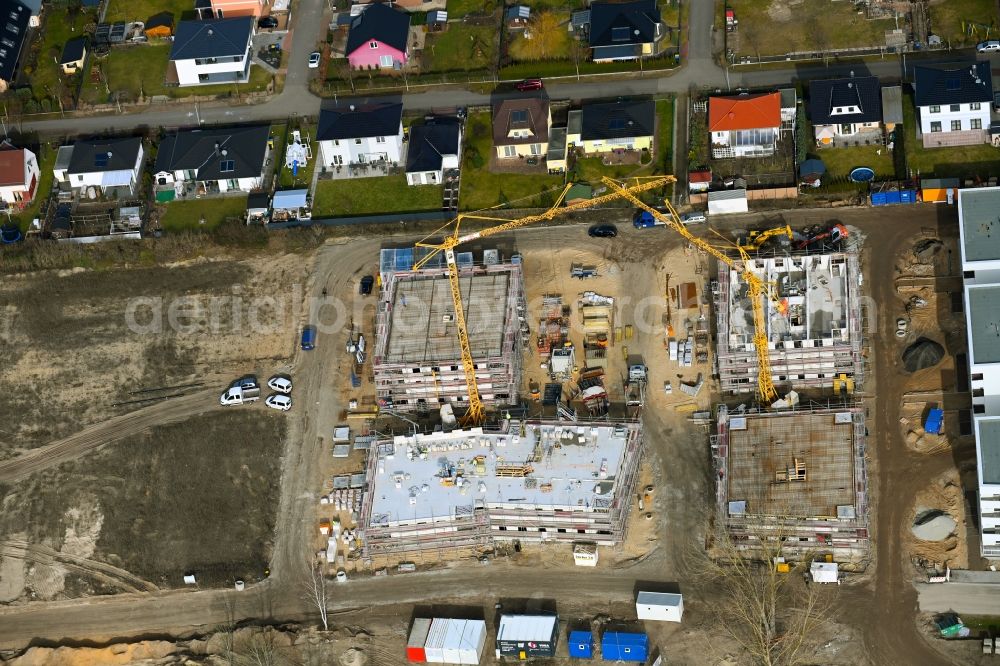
pixel 377 38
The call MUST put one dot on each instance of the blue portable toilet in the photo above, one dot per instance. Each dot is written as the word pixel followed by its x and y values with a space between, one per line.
pixel 620 646
pixel 581 644
pixel 935 422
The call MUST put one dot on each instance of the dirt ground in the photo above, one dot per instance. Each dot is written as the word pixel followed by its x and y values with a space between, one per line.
pixel 943 494
pixel 196 497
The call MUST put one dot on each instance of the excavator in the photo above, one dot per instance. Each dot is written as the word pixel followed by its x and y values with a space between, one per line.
pixel 833 234
pixel 756 239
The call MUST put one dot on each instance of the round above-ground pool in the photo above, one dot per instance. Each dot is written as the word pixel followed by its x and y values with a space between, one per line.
pixel 9 233
pixel 862 174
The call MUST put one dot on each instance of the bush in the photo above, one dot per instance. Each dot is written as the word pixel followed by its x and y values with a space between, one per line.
pixel 46 105
pixel 475 157
pixel 31 106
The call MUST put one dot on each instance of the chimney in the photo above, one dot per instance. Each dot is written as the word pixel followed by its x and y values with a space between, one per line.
pixel 352 107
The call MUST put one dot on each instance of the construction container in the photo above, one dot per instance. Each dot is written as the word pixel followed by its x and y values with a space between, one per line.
pixel 621 646
pixel 659 606
pixel 452 641
pixel 418 638
pixel 525 636
pixel 581 644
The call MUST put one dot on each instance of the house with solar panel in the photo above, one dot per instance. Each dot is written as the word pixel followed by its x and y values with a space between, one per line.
pixel 953 103
pixel 602 127
pixel 625 30
pixel 212 161
pixel 92 167
pixel 211 52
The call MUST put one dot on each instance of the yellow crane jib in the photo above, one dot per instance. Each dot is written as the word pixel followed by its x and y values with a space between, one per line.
pixel 756 288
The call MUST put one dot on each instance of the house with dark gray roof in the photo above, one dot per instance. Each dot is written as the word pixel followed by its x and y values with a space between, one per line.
pixel 359 139
pixel 73 54
pixel 953 103
pixel 213 161
pixel 376 38
pixel 625 30
pixel 435 147
pixel 15 18
pixel 606 127
pixel 212 52
pixel 845 108
pixel 101 164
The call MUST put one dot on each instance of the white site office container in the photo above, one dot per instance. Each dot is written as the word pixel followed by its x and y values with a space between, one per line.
pixel 473 642
pixel 659 606
pixel 434 648
pixel 453 641
pixel 727 201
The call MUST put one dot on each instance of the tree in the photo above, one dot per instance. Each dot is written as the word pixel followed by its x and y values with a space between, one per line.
pixel 769 613
pixel 545 38
pixel 317 593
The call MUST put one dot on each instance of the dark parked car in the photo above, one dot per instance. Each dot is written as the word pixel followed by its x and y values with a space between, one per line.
pixel 603 231
pixel 308 338
pixel 267 22
pixel 529 84
pixel 367 282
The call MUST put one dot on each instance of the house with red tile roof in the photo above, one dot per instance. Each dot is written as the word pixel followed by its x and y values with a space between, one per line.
pixel 19 176
pixel 744 125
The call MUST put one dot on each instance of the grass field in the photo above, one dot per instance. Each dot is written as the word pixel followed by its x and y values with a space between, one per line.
pixel 363 196
pixel 45 75
pixel 483 189
pixel 141 10
pixel 947 16
pixel 771 27
pixel 982 160
pixel 461 47
pixel 560 43
pixel 459 8
pixel 187 215
pixel 140 70
pixel 840 161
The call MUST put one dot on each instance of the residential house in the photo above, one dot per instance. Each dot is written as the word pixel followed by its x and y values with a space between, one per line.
pixel 101 164
pixel 846 109
pixel 521 126
pixel 744 125
pixel 19 176
pixel 625 31
pixel 73 54
pixel 208 9
pixel 213 161
pixel 159 26
pixel 214 51
pixel 953 103
pixel 435 147
pixel 376 38
pixel 517 16
pixel 605 127
pixel 15 17
pixel 359 135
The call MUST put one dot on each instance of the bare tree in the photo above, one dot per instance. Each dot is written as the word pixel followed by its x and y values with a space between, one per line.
pixel 770 613
pixel 317 593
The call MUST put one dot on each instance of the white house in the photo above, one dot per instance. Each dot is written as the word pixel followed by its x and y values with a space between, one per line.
pixel 213 161
pixel 435 147
pixel 953 103
pixel 744 125
pixel 350 136
pixel 101 164
pixel 214 51
pixel 979 232
pixel 19 176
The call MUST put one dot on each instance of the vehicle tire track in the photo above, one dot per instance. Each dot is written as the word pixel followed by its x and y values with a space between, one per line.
pixel 105 573
pixel 115 428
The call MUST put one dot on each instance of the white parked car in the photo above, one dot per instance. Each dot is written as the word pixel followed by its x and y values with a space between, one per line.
pixel 280 384
pixel 693 218
pixel 341 576
pixel 901 327
pixel 314 59
pixel 279 401
pixel 988 46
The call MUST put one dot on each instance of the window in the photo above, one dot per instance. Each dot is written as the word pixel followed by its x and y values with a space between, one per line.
pixel 336 142
pixel 227 166
pixel 536 149
pixel 380 139
pixel 976 123
pixel 357 142
pixel 955 108
pixel 509 151
pixel 935 108
pixel 619 34
pixel 956 125
pixel 385 61
pixel 373 45
pixel 936 126
pixel 975 106
pixel 520 116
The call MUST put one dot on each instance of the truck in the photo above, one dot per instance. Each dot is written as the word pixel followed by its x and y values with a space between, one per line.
pixel 242 391
pixel 643 219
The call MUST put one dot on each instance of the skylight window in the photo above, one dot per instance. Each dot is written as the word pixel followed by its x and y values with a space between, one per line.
pixel 101 159
pixel 519 116
pixel 616 124
pixel 952 83
pixel 619 34
pixel 227 166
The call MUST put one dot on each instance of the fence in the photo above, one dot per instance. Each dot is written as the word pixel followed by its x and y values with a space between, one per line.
pixel 763 194
pixel 798 56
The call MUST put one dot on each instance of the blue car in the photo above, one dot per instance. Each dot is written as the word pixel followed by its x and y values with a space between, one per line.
pixel 308 338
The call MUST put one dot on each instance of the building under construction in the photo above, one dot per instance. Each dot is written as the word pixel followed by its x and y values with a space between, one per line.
pixel 797 475
pixel 813 321
pixel 529 481
pixel 417 358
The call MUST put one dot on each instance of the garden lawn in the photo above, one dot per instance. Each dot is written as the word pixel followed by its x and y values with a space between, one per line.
pixel 461 47
pixel 560 46
pixel 482 188
pixel 459 8
pixel 142 10
pixel 285 178
pixel 371 196
pixel 946 20
pixel 141 69
pixel 807 26
pixel 840 161
pixel 958 161
pixel 45 75
pixel 186 215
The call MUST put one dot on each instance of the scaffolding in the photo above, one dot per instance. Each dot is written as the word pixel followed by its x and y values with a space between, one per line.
pixel 797 475
pixel 417 359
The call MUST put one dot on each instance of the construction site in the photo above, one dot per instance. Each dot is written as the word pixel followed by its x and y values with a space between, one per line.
pixel 797 476
pixel 527 481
